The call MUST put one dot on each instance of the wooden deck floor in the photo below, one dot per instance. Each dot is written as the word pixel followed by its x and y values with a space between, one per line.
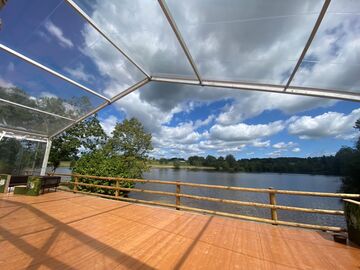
pixel 66 231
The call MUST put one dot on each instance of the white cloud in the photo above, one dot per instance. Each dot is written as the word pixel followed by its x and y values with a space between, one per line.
pixel 5 83
pixel 58 33
pixel 283 145
pixel 330 124
pixel 261 144
pixel 244 132
pixel 48 95
pixel 296 150
pixel 109 123
pixel 79 73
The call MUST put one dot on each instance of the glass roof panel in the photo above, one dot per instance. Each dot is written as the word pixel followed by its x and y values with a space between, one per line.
pixel 333 59
pixel 30 121
pixel 246 40
pixel 23 83
pixel 141 29
pixel 54 34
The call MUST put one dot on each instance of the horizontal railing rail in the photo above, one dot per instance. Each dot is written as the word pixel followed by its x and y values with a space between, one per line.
pixel 273 206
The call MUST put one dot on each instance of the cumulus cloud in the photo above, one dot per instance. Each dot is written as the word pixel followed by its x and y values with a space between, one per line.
pixel 330 124
pixel 56 32
pixel 244 132
pixel 296 150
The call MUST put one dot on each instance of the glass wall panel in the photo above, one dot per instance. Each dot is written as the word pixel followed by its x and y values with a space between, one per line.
pixel 246 40
pixel 54 34
pixel 333 60
pixel 142 30
pixel 25 120
pixel 19 156
pixel 25 84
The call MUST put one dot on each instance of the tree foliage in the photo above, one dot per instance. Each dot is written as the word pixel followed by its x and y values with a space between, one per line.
pixel 350 158
pixel 122 155
pixel 84 137
pixel 130 139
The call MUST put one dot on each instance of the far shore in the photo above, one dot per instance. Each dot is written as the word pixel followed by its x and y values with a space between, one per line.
pixel 188 167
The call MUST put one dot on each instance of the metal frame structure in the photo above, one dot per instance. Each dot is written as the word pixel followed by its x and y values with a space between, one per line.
pixel 284 89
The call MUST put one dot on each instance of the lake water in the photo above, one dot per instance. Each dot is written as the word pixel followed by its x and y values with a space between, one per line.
pixel 301 182
pixel 259 180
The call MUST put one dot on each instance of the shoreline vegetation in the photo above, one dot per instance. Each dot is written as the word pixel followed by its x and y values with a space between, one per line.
pixel 188 167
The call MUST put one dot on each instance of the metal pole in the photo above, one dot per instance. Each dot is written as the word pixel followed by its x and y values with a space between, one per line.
pixel 2 135
pixel 308 43
pixel 101 32
pixel 179 37
pixel 46 157
pixel 293 90
pixel 34 109
pixel 114 99
pixel 51 71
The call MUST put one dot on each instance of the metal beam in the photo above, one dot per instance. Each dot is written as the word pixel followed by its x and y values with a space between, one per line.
pixel 294 90
pixel 116 98
pixel 46 157
pixel 24 137
pixel 23 132
pixel 49 70
pixel 34 109
pixel 179 37
pixel 308 43
pixel 130 90
pixel 94 25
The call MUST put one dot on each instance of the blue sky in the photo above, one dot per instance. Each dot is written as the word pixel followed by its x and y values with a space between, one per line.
pixel 190 120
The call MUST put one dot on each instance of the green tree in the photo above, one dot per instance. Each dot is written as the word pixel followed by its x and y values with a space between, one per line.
pixel 177 165
pixel 130 139
pixel 83 137
pixel 357 126
pixel 351 166
pixel 123 155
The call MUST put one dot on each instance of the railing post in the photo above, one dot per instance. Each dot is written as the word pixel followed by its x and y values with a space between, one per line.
pixel 178 190
pixel 272 198
pixel 76 183
pixel 117 191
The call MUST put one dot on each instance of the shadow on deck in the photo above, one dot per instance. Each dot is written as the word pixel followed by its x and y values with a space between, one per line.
pixel 69 231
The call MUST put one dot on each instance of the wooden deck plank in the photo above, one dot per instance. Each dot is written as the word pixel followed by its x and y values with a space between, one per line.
pixel 70 231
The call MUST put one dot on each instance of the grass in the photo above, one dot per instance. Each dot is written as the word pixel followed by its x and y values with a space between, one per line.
pixel 65 164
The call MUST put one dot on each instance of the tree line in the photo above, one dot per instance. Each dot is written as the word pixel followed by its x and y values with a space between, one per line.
pixel 327 165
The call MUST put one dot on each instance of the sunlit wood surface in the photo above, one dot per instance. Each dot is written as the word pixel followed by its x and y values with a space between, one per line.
pixel 69 231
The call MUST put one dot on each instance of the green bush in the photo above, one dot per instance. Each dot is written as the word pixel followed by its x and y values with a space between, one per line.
pixel 99 163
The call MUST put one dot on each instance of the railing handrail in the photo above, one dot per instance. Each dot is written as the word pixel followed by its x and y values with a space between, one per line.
pixel 212 199
pixel 273 206
pixel 244 189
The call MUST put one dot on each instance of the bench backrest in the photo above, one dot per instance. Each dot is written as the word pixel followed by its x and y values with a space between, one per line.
pixel 50 181
pixel 18 180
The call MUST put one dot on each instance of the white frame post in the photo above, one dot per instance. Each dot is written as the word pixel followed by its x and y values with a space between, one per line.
pixel 2 135
pixel 46 157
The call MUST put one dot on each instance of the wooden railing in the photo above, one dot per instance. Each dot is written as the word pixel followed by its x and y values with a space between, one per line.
pixel 273 206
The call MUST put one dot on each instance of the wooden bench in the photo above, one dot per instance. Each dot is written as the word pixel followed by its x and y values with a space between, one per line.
pixel 48 182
